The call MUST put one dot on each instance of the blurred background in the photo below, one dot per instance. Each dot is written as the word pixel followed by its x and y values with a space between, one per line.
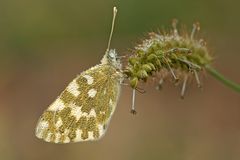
pixel 45 44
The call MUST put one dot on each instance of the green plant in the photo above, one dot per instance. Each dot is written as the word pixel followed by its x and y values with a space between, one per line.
pixel 172 54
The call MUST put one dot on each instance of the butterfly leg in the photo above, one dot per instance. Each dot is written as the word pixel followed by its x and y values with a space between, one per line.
pixel 171 71
pixel 133 111
pixel 197 79
pixel 160 83
pixel 184 86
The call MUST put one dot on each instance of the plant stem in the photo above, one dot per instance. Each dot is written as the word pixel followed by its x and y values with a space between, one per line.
pixel 221 78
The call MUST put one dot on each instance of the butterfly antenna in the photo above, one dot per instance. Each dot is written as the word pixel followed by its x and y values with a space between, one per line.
pixel 112 28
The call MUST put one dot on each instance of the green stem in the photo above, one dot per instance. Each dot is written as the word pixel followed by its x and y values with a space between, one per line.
pixel 221 78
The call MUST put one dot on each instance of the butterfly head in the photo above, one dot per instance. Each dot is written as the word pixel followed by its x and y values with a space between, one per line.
pixel 112 58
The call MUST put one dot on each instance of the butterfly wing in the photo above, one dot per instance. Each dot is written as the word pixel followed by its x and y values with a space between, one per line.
pixel 83 110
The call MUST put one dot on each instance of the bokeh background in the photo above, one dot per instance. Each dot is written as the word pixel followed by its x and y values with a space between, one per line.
pixel 45 44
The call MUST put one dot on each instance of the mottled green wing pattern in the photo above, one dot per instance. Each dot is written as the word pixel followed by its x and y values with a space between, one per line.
pixel 83 110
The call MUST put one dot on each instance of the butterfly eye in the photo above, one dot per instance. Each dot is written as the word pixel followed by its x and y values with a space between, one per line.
pixel 112 55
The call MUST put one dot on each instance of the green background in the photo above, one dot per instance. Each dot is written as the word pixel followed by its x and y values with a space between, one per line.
pixel 45 44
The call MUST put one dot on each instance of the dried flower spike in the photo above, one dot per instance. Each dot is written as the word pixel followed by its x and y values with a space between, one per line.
pixel 167 55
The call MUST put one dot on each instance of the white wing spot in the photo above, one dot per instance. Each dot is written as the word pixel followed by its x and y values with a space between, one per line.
pixel 89 79
pixel 48 139
pixel 92 113
pixel 58 136
pixel 101 130
pixel 57 105
pixel 78 134
pixel 102 112
pixel 59 123
pixel 110 102
pixel 92 93
pixel 42 125
pixel 90 136
pixel 66 140
pixel 66 131
pixel 76 111
pixel 73 88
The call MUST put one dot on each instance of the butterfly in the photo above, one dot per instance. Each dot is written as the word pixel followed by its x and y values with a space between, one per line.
pixel 83 110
